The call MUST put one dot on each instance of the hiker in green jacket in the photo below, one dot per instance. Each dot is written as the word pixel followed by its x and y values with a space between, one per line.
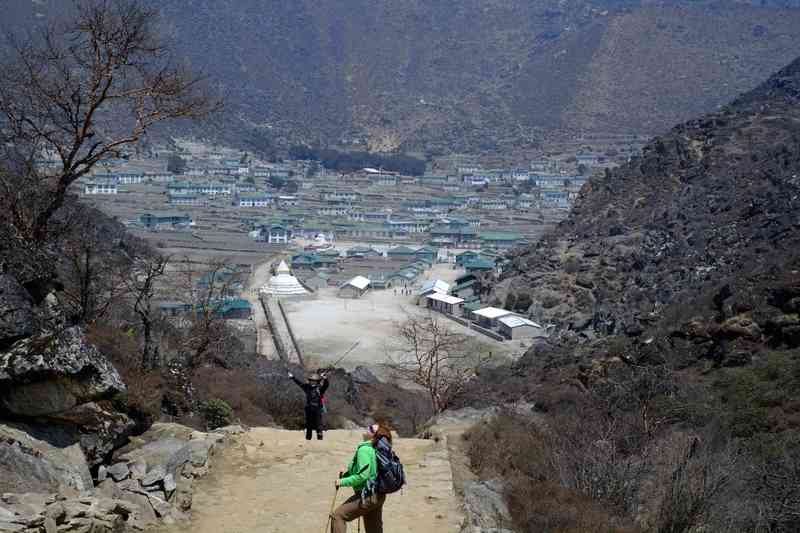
pixel 363 468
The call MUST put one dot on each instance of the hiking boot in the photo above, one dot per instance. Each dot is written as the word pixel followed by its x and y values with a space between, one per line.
pixel 319 436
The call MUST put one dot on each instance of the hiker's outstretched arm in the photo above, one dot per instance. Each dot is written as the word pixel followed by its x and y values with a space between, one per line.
pixel 299 383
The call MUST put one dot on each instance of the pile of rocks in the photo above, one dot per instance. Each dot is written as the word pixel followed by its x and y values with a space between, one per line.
pixel 151 479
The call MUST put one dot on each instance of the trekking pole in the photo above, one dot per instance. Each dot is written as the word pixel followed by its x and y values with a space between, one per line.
pixel 345 354
pixel 330 513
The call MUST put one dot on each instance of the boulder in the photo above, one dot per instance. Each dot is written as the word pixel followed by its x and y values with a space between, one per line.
pixel 166 456
pixel 230 430
pixel 485 507
pixel 199 450
pixel 169 484
pixel 138 469
pixel 183 494
pixel 109 489
pixel 51 374
pixel 154 475
pixel 741 326
pixel 28 464
pixel 99 428
pixel 119 471
pixel 363 376
pixel 16 311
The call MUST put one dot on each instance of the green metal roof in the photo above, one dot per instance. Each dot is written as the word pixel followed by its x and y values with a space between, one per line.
pixel 401 250
pixel 479 264
pixel 499 236
pixel 473 306
pixel 464 285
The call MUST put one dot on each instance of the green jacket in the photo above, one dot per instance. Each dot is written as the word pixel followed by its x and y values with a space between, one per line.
pixel 363 467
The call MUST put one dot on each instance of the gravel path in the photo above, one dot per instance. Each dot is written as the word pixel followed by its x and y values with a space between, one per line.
pixel 273 481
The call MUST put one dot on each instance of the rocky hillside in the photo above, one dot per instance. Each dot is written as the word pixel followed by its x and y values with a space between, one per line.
pixel 470 75
pixel 697 240
pixel 666 397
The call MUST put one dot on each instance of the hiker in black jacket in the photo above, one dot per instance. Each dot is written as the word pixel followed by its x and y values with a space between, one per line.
pixel 315 392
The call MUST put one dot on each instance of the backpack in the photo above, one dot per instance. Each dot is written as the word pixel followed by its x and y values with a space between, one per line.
pixel 391 476
pixel 315 397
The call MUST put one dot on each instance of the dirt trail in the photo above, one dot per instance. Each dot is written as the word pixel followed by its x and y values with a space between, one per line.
pixel 273 481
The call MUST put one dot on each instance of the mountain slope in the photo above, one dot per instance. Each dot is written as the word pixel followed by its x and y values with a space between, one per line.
pixel 666 398
pixel 695 243
pixel 471 75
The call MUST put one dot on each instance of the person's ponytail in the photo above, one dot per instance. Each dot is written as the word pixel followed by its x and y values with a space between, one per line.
pixel 383 431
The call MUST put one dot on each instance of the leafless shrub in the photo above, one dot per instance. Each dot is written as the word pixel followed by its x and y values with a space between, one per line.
pixel 426 352
pixel 775 484
pixel 526 457
pixel 695 478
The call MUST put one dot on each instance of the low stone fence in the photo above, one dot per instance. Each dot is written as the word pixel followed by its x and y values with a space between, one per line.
pixel 276 337
pixel 291 334
pixel 489 333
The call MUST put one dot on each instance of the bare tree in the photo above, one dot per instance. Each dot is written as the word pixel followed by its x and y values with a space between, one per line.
pixel 93 263
pixel 206 292
pixel 431 355
pixel 141 285
pixel 79 93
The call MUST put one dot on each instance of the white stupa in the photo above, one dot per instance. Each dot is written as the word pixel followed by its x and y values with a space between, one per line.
pixel 283 283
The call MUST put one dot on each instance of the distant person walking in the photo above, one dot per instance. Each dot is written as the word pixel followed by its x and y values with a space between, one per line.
pixel 361 476
pixel 315 397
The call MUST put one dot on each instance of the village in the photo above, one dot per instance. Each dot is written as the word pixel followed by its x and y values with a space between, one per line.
pixel 319 253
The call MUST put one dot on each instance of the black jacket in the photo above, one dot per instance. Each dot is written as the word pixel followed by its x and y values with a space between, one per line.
pixel 309 387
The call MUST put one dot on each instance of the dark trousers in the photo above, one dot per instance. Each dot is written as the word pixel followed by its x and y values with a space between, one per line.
pixel 313 421
pixel 354 508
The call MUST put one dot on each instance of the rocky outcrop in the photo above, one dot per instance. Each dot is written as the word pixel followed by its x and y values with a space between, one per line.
pixel 29 513
pixel 150 482
pixel 54 373
pixel 693 244
pixel 58 386
pixel 485 509
pixel 28 464
pixel 16 311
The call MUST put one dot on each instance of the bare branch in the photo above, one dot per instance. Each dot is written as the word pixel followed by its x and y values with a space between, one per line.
pixel 85 92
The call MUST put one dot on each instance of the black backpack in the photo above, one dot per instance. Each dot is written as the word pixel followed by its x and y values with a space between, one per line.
pixel 315 397
pixel 391 477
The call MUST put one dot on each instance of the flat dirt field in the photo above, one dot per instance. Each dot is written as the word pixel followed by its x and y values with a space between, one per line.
pixel 328 326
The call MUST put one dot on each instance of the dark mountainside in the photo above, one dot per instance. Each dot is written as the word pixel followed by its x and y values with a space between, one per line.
pixel 704 224
pixel 667 397
pixel 467 76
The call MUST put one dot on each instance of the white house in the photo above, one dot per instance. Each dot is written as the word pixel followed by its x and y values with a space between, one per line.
pixel 185 199
pixel 410 226
pixel 444 303
pixel 130 178
pixel 101 186
pixel 287 201
pixel 355 288
pixel 434 286
pixel 255 200
pixel 278 234
pixel 488 316
pixel 215 187
pixel 516 327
